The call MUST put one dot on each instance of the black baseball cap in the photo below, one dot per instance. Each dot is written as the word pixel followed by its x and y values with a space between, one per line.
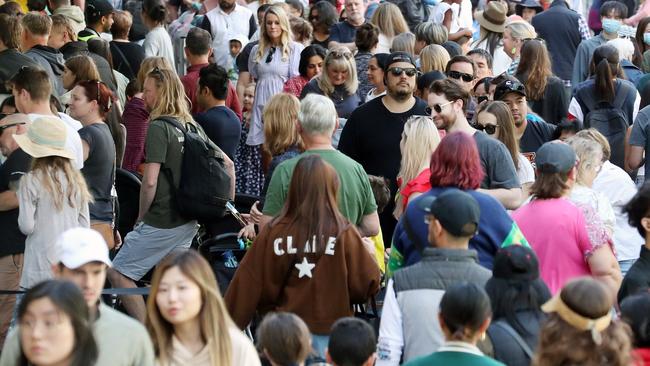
pixel 457 211
pixel 398 57
pixel 509 86
pixel 96 9
pixel 516 262
pixel 555 157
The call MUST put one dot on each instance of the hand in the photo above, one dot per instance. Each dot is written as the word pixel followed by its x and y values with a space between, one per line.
pixel 467 32
pixel 248 232
pixel 255 213
pixel 117 237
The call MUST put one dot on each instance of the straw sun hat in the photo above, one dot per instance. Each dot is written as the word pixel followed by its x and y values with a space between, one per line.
pixel 493 18
pixel 46 136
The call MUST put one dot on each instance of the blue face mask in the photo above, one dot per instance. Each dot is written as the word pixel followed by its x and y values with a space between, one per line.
pixel 611 26
pixel 432 2
pixel 646 38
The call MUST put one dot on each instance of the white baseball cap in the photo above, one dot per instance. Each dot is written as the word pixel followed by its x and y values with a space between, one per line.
pixel 78 246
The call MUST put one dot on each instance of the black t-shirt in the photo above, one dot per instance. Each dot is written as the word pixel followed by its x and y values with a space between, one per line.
pixel 637 279
pixel 127 57
pixel 99 169
pixel 223 127
pixel 537 133
pixel 16 165
pixel 242 58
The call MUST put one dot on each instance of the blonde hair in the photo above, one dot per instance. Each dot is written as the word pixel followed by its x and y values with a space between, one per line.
pixel 45 171
pixel 285 38
pixel 149 64
pixel 587 150
pixel 60 21
pixel 404 42
pixel 521 29
pixel 434 57
pixel 339 58
pixel 594 134
pixel 214 320
pixel 280 115
pixel 419 140
pixel 389 19
pixel 171 98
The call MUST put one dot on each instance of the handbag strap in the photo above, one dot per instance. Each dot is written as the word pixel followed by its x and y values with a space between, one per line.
pixel 126 60
pixel 513 333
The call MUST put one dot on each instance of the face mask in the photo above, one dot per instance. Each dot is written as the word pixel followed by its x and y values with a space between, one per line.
pixel 432 2
pixel 611 26
pixel 646 38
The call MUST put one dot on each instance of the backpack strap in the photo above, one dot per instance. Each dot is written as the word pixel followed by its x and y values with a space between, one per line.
pixel 588 99
pixel 126 61
pixel 513 333
pixel 168 172
pixel 411 234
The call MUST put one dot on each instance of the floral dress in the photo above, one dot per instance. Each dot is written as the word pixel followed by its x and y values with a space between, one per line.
pixel 249 177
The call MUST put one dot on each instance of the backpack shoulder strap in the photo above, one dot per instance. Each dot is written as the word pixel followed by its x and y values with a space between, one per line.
pixel 622 94
pixel 411 234
pixel 587 99
pixel 174 122
pixel 126 60
pixel 513 333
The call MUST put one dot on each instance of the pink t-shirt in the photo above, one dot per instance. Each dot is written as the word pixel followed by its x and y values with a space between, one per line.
pixel 558 233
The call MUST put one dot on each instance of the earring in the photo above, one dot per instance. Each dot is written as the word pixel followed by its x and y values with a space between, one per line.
pixel 483 336
pixel 513 50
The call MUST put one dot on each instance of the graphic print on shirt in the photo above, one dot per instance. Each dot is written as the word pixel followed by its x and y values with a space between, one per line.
pixel 304 268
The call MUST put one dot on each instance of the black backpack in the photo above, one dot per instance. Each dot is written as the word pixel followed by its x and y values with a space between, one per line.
pixel 204 187
pixel 610 120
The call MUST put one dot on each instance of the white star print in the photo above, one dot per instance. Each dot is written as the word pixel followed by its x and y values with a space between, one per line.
pixel 305 268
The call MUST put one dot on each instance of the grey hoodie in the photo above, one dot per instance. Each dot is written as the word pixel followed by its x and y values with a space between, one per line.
pixel 74 14
pixel 51 60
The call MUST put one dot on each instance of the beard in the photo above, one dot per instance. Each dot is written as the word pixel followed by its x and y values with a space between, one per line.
pixel 400 94
pixel 226 6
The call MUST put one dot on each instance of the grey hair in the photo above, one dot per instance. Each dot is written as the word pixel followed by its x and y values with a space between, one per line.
pixel 317 115
pixel 431 33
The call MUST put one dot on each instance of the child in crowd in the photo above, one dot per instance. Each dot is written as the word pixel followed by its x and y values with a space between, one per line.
pixel 247 162
pixel 352 343
pixel 237 43
pixel 381 192
pixel 284 339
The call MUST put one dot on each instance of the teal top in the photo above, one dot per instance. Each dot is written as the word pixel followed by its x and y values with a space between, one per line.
pixel 456 354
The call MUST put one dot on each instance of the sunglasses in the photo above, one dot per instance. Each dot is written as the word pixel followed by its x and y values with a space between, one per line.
pixel 3 128
pixel 513 86
pixel 155 72
pixel 460 75
pixel 541 40
pixel 341 53
pixel 489 129
pixel 398 71
pixel 269 58
pixel 437 108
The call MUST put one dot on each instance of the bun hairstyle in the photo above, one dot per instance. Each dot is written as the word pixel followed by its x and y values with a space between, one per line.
pixel 154 10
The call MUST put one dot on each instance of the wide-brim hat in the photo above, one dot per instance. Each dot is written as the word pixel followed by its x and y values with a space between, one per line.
pixel 493 18
pixel 46 136
pixel 532 4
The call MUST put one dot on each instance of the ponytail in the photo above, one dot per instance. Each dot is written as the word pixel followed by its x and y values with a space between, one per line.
pixel 605 67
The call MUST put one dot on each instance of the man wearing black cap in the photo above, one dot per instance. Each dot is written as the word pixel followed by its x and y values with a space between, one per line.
pixel 99 18
pixel 373 133
pixel 409 327
pixel 531 130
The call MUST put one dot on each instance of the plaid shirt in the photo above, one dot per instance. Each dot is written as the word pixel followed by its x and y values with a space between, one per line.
pixel 585 33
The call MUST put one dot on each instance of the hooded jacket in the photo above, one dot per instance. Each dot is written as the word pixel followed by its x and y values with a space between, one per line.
pixel 75 48
pixel 10 62
pixel 75 15
pixel 52 62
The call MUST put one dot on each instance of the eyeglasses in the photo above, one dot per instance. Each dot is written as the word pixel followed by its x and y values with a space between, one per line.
pixel 541 40
pixel 269 57
pixel 437 108
pixel 460 75
pixel 3 128
pixel 157 73
pixel 489 128
pixel 398 71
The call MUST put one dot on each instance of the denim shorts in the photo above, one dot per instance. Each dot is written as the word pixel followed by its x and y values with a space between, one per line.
pixel 146 246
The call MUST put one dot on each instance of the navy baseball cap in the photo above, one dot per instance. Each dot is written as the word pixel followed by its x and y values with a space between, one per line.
pixel 457 211
pixel 555 157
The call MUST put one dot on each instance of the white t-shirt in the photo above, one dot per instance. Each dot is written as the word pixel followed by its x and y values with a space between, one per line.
pixel 615 184
pixel 438 15
pixel 72 141
pixel 158 43
pixel 525 171
pixel 385 43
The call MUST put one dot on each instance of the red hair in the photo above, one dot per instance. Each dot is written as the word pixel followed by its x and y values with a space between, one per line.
pixel 456 163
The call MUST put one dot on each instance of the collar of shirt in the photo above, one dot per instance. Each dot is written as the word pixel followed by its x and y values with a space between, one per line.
pixel 456 346
pixel 196 68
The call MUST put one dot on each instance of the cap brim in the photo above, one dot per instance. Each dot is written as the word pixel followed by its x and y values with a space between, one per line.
pixel 74 264
pixel 39 151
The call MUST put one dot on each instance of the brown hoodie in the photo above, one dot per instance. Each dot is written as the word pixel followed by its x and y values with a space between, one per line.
pixel 273 277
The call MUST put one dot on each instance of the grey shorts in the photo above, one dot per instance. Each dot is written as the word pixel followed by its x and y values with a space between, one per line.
pixel 146 246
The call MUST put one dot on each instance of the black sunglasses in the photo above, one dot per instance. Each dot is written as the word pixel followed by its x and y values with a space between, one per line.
pixel 3 128
pixel 489 129
pixel 460 75
pixel 269 57
pixel 437 108
pixel 155 71
pixel 398 71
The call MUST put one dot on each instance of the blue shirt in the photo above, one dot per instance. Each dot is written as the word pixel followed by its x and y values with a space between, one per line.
pixel 496 229
pixel 343 32
pixel 223 127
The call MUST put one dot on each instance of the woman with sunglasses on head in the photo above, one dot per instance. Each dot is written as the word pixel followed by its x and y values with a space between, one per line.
pixel 90 104
pixel 514 35
pixel 54 326
pixel 496 120
pixel 187 319
pixel 322 17
pixel 545 92
pixel 272 62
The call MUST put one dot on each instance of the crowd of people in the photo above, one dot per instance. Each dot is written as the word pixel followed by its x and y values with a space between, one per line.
pixel 451 182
